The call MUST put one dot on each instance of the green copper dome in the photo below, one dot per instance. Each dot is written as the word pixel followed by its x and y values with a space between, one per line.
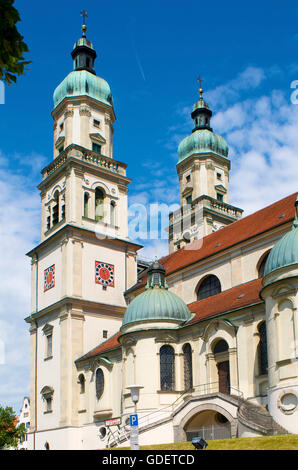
pixel 285 252
pixel 202 141
pixel 156 303
pixel 82 82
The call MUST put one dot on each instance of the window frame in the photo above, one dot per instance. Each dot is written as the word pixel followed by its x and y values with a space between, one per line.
pixel 167 377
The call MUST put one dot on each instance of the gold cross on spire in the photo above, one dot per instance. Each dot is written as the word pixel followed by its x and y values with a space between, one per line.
pixel 200 80
pixel 84 27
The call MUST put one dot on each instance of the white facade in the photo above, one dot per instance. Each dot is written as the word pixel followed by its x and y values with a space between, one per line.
pixel 24 418
pixel 84 274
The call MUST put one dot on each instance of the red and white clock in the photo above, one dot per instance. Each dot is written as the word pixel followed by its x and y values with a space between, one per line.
pixel 49 278
pixel 104 274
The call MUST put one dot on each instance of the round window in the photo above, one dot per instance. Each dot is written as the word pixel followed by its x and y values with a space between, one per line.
pixel 102 432
pixel 221 418
pixel 288 402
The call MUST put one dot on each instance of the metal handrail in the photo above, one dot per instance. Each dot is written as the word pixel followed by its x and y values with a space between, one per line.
pixel 194 392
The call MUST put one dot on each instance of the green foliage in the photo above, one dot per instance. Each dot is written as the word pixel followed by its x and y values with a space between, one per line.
pixel 9 432
pixel 12 47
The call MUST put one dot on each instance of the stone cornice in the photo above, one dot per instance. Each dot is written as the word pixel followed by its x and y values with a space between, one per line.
pixel 68 304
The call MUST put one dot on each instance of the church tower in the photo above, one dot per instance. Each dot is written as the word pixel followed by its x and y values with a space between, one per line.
pixel 85 260
pixel 203 170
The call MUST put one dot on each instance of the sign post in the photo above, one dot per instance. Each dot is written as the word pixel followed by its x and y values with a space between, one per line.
pixel 134 432
pixel 133 419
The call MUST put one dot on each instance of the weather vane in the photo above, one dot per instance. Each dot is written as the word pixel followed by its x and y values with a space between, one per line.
pixel 84 27
pixel 200 80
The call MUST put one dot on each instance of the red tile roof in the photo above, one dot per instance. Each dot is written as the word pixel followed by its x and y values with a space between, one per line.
pixel 259 222
pixel 108 345
pixel 231 299
pixel 237 232
pixel 235 298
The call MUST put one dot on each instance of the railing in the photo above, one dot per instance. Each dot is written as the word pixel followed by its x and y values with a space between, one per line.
pixel 262 419
pixel 211 432
pixel 88 156
pixel 168 410
pixel 205 201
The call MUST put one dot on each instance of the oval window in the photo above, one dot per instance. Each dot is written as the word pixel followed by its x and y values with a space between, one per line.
pixel 99 383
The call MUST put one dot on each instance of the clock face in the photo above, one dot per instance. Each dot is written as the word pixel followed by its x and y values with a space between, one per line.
pixel 49 278
pixel 104 274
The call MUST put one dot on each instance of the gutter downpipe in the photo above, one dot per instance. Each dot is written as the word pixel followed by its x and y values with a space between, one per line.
pixel 36 349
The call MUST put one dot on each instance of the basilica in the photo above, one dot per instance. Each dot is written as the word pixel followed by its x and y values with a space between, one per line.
pixel 208 332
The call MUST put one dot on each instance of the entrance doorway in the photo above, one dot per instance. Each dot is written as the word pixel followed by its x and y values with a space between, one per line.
pixel 209 425
pixel 223 369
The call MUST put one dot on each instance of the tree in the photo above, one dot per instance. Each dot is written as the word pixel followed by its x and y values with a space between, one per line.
pixel 10 433
pixel 12 47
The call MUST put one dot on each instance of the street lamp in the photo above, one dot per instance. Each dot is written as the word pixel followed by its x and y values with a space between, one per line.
pixel 134 425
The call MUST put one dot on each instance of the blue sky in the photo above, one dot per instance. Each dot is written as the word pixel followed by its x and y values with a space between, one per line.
pixel 151 53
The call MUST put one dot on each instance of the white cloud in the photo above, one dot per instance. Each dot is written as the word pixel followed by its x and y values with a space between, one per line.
pixel 19 232
pixel 263 149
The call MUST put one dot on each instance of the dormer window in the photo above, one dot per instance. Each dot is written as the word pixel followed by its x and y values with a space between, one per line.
pixel 219 197
pixel 188 178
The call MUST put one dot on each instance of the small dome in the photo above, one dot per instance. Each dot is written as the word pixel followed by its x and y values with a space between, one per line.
pixel 202 141
pixel 285 252
pixel 82 82
pixel 156 303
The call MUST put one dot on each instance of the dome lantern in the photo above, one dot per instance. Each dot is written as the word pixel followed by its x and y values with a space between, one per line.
pixel 202 140
pixel 157 303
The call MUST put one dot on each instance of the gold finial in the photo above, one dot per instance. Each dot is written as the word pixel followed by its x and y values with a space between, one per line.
pixel 84 27
pixel 200 80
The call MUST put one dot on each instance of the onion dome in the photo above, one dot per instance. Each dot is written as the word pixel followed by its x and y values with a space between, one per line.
pixel 83 79
pixel 285 252
pixel 203 139
pixel 157 303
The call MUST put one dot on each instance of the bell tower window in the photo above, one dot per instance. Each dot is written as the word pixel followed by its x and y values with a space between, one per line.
pixel 96 147
pixel 56 208
pixel 99 204
pixel 86 202
pixel 113 210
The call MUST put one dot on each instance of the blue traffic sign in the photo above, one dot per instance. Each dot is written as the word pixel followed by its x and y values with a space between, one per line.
pixel 133 419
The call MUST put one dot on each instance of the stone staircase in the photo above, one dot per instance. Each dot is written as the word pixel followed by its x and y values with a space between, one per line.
pixel 258 419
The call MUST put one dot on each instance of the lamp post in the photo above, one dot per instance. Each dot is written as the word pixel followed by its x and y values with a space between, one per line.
pixel 134 425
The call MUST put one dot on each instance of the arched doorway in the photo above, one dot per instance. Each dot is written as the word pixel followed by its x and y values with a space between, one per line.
pixel 209 424
pixel 221 356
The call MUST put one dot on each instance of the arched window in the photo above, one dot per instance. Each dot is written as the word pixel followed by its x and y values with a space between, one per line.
pixel 86 201
pixel 220 346
pixel 261 268
pixel 47 395
pixel 167 368
pixel 208 287
pixel 187 357
pixel 99 383
pixel 99 204
pixel 262 349
pixel 82 383
pixel 56 208
pixel 113 210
